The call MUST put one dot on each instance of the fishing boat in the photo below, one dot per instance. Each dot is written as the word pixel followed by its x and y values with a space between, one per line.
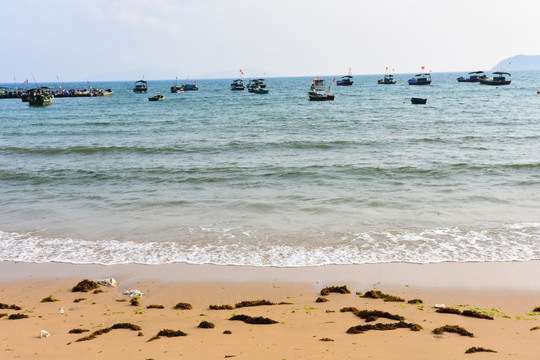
pixel 419 101
pixel 474 76
pixel 387 79
pixel 189 87
pixel 420 79
pixel 157 97
pixel 346 80
pixel 140 86
pixel 40 98
pixel 499 78
pixel 237 85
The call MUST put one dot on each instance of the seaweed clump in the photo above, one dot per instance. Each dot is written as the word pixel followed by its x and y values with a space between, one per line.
pixel 453 329
pixel 129 326
pixel 135 301
pixel 168 333
pixel 326 339
pixel 107 330
pixel 206 325
pixel 78 331
pixel 476 349
pixel 10 307
pixel 5 314
pixel 182 306
pixel 48 299
pixel 227 332
pixel 85 285
pixel 360 329
pixel 321 300
pixel 372 315
pixel 416 301
pixel 377 294
pixel 155 306
pixel 535 328
pixel 220 307
pixel 254 303
pixel 17 316
pixel 253 320
pixel 477 314
pixel 449 310
pixel 335 289
pixel 79 300
pixel 536 309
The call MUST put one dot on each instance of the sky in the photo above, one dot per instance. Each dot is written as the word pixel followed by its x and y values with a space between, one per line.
pixel 75 40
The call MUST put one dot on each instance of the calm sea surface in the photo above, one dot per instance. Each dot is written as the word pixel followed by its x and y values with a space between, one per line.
pixel 216 176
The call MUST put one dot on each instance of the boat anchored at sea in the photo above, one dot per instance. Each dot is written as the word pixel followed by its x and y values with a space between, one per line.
pixel 499 78
pixel 474 76
pixel 40 97
pixel 420 79
pixel 140 87
pixel 316 87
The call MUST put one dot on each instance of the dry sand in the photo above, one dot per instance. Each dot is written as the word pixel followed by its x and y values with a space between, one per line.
pixel 508 291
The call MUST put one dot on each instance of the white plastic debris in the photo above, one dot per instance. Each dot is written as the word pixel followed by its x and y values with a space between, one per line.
pixel 63 310
pixel 133 293
pixel 111 282
pixel 439 306
pixel 44 333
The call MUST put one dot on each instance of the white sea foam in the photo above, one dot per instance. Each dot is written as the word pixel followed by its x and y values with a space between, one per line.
pixel 511 242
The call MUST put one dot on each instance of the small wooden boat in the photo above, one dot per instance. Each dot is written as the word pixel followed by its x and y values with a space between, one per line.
pixel 140 86
pixel 499 78
pixel 158 97
pixel 474 76
pixel 237 85
pixel 40 98
pixel 315 96
pixel 418 101
pixel 388 79
pixel 345 81
pixel 420 79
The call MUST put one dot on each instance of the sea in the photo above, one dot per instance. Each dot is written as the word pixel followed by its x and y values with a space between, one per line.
pixel 221 177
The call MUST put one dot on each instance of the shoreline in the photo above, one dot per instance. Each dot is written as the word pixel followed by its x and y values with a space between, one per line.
pixel 474 275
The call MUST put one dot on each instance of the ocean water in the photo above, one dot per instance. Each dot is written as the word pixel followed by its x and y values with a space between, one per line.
pixel 223 177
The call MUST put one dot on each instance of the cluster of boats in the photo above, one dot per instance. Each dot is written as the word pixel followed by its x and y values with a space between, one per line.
pixel 255 86
pixel 44 95
pixel 499 78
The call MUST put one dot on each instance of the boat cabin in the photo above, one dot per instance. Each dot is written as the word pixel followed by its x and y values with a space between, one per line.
pixel 318 84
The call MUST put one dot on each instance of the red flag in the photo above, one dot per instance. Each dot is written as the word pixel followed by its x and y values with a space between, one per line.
pixel 241 72
pixel 387 68
pixel 423 67
pixel 334 80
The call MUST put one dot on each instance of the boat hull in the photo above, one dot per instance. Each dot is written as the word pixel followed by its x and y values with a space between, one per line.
pixel 320 97
pixel 419 82
pixel 495 82
pixel 386 82
pixel 418 101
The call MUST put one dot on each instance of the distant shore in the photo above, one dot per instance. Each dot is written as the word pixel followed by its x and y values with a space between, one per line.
pixel 305 328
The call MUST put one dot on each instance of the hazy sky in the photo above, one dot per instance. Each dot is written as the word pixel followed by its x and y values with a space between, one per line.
pixel 116 39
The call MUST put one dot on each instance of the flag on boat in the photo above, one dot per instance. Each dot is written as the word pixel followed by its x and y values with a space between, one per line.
pixel 423 67
pixel 241 72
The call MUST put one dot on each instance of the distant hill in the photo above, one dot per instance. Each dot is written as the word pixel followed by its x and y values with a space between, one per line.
pixel 518 63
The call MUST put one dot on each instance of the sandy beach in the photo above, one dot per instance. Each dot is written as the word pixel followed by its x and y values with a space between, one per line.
pixel 303 328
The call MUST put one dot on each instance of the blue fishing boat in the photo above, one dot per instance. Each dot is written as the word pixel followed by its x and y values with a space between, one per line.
pixel 418 101
pixel 346 80
pixel 420 79
pixel 237 85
